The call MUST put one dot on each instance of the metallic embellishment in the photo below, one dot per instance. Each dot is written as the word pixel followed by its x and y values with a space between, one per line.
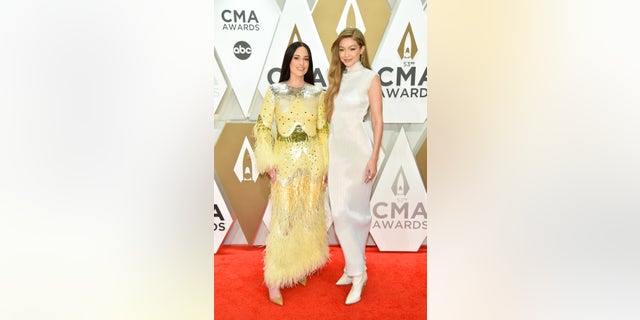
pixel 304 92
pixel 298 135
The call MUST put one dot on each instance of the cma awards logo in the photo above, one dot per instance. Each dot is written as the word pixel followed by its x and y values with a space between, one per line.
pixel 408 48
pixel 400 186
pixel 404 81
pixel 245 168
pixel 273 74
pixel 240 20
pixel 400 213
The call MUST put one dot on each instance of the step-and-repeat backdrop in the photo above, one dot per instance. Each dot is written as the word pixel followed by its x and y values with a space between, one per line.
pixel 250 39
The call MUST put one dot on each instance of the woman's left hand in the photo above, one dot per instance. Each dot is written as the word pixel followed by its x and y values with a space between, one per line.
pixel 370 171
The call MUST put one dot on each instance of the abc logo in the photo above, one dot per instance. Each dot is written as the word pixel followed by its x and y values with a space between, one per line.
pixel 242 50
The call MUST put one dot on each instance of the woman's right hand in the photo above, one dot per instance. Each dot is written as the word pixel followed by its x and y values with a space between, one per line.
pixel 273 172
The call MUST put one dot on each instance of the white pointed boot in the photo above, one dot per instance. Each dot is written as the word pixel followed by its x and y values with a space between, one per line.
pixel 344 280
pixel 356 289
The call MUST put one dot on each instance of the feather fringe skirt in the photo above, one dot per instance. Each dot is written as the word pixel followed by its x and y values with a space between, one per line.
pixel 296 246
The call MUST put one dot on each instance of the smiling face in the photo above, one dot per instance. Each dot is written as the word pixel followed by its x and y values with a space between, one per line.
pixel 349 51
pixel 299 62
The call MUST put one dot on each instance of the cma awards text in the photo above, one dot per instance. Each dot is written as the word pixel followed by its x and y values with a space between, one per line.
pixel 218 219
pixel 402 76
pixel 240 20
pixel 397 216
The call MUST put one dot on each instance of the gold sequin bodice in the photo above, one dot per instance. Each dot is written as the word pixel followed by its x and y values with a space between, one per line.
pixel 299 115
pixel 293 107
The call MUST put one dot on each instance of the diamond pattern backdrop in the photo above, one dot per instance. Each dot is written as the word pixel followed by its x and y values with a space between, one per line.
pixel 250 38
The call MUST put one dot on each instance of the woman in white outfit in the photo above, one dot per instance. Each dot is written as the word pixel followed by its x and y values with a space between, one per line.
pixel 354 90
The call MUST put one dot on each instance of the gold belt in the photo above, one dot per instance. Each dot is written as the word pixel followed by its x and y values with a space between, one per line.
pixel 298 135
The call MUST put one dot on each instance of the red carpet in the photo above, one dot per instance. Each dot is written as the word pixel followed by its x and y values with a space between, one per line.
pixel 396 288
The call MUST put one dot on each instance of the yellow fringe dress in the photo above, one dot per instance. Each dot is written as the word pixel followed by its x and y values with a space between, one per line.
pixel 297 244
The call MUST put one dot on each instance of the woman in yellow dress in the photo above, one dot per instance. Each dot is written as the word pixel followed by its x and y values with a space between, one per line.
pixel 296 161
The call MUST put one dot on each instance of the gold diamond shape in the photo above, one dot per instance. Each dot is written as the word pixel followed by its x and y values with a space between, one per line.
pixel 375 13
pixel 247 199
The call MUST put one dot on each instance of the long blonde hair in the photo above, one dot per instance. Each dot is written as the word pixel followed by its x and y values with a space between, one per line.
pixel 336 68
